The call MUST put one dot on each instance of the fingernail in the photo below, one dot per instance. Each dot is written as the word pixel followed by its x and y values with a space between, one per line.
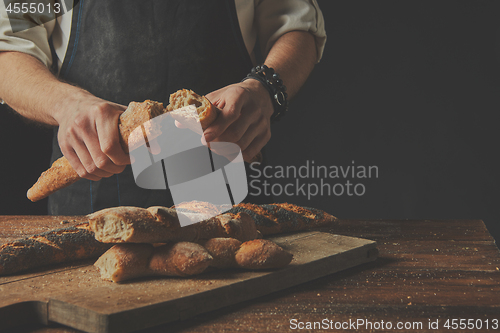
pixel 207 137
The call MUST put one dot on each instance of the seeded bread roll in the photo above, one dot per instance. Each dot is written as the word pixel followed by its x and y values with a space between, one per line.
pixel 283 217
pixel 52 247
pixel 62 174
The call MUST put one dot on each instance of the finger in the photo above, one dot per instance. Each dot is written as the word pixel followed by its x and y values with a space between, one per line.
pixel 251 133
pixel 226 149
pixel 95 161
pixel 238 129
pixel 77 165
pixel 256 146
pixel 229 113
pixel 109 141
pixel 88 162
pixel 204 141
pixel 179 125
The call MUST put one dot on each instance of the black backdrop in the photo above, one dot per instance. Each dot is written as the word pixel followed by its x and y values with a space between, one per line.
pixel 411 87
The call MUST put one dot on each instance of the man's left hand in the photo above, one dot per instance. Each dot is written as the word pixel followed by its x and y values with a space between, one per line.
pixel 245 118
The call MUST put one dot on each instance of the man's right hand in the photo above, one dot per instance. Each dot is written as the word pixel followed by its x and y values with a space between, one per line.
pixel 88 136
pixel 88 126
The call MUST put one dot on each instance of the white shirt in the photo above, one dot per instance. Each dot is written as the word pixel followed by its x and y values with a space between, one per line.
pixel 263 20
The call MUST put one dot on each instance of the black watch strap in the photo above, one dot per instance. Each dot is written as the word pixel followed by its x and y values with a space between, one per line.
pixel 274 85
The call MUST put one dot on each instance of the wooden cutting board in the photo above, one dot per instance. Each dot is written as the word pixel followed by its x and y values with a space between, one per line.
pixel 74 295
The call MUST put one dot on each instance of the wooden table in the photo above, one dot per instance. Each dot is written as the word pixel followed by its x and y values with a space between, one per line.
pixel 429 272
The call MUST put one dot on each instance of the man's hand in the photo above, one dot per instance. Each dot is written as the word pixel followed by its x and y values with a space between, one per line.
pixel 245 118
pixel 88 136
pixel 247 107
pixel 88 126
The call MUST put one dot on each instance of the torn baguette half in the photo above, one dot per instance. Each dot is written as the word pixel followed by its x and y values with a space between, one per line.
pixel 61 174
pixel 207 112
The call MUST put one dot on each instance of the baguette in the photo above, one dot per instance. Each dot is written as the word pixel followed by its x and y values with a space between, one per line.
pixel 124 262
pixel 262 254
pixel 161 225
pixel 129 261
pixel 222 251
pixel 132 225
pixel 51 247
pixel 283 217
pixel 243 222
pixel 179 259
pixel 253 254
pixel 207 112
pixel 61 174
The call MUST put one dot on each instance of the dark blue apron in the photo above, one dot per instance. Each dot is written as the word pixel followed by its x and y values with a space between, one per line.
pixel 125 51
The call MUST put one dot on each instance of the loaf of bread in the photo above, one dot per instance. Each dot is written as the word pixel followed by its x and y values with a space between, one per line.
pixel 52 247
pixel 133 225
pixel 62 174
pixel 161 225
pixel 179 259
pixel 262 254
pixel 243 222
pixel 129 261
pixel 223 251
pixel 124 262
pixel 283 217
pixel 253 254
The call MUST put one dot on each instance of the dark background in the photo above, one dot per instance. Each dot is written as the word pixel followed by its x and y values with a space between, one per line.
pixel 411 87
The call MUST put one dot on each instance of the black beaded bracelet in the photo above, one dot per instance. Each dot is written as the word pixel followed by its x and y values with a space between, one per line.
pixel 274 85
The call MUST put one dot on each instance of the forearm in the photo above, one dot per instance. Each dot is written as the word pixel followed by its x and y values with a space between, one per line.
pixel 293 56
pixel 28 87
pixel 88 126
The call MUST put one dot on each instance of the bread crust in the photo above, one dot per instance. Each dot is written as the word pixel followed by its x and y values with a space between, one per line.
pixel 160 225
pixel 58 176
pixel 138 114
pixel 222 251
pixel 243 222
pixel 61 174
pixel 262 254
pixel 51 247
pixel 180 259
pixel 124 262
pixel 283 217
pixel 127 224
pixel 129 261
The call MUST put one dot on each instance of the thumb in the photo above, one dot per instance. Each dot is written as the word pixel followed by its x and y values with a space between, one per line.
pixel 229 114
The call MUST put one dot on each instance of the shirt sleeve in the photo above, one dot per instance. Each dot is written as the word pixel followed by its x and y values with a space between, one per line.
pixel 27 33
pixel 275 18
